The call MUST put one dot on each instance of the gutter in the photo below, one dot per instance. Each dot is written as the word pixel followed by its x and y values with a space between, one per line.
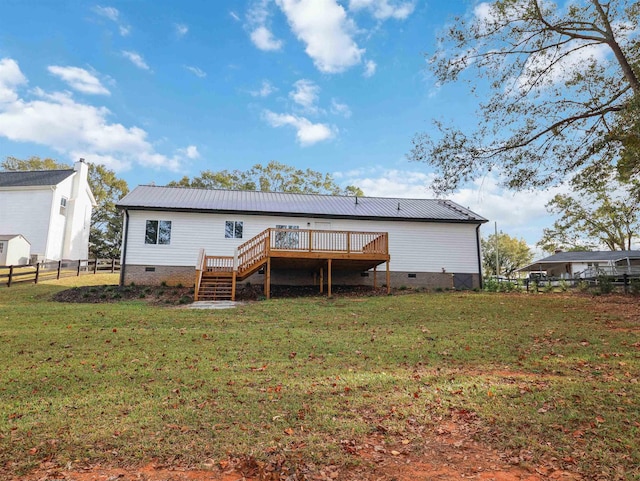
pixel 123 257
pixel 479 254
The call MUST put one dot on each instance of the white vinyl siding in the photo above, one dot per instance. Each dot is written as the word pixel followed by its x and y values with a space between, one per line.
pixel 413 246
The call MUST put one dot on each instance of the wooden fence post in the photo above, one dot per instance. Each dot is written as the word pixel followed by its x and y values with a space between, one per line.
pixel 95 265
pixel 79 262
pixel 625 277
pixel 59 267
pixel 10 276
pixel 113 265
pixel 37 272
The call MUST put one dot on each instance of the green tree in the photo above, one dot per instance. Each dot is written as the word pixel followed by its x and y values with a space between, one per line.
pixel 563 97
pixel 273 177
pixel 512 254
pixel 601 214
pixel 105 237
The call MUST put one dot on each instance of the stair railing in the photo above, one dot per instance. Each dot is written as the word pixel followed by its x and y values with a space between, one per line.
pixel 199 268
pixel 252 251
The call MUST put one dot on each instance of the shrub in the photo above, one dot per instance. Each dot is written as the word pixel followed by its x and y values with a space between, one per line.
pixel 634 286
pixel 491 285
pixel 583 286
pixel 563 285
pixel 605 286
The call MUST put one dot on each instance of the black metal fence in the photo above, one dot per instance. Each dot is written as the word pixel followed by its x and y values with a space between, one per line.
pixel 41 271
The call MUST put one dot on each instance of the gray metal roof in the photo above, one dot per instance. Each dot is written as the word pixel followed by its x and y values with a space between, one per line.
pixel 593 256
pixel 146 197
pixel 33 177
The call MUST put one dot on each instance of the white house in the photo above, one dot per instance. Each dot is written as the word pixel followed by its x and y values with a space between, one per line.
pixel 568 265
pixel 50 208
pixel 292 239
pixel 15 250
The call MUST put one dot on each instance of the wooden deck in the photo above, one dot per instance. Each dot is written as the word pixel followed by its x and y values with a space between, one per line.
pixel 321 250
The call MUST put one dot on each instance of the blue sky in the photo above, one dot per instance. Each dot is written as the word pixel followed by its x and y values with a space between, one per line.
pixel 160 89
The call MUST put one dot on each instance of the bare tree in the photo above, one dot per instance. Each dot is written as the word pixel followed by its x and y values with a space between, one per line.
pixel 564 90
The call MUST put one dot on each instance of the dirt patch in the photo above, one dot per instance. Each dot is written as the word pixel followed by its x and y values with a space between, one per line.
pixel 449 452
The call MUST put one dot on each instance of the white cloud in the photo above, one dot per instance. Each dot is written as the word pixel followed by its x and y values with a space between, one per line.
pixel 190 152
pixel 136 59
pixel 113 14
pixel 181 29
pixel 257 22
pixel 307 132
pixel 338 108
pixel 384 9
pixel 196 71
pixel 575 61
pixel 264 39
pixel 57 121
pixel 305 93
pixel 370 68
pixel 483 12
pixel 10 78
pixel 265 90
pixel 79 79
pixel 327 32
pixel 519 214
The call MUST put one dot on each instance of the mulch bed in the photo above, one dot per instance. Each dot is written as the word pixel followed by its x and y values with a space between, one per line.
pixel 170 295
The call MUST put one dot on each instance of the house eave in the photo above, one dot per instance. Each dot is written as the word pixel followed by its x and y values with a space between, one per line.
pixel 301 214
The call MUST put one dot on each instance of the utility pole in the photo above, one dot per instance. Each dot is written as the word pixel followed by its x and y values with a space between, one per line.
pixel 497 247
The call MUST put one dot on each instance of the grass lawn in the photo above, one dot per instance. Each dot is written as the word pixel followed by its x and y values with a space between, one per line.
pixel 543 378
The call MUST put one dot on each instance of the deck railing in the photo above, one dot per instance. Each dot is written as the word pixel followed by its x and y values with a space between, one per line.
pixel 348 242
pixel 250 254
pixel 218 264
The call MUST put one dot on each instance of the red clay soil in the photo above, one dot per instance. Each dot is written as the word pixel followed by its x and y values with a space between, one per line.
pixel 448 454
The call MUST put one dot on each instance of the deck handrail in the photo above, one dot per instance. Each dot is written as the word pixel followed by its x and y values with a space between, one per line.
pixel 199 268
pixel 252 251
pixel 313 240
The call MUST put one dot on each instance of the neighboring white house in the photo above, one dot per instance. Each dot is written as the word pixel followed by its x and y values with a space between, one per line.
pixel 569 265
pixel 431 243
pixel 50 208
pixel 15 250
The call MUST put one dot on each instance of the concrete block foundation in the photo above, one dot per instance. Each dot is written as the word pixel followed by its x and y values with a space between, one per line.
pixel 185 275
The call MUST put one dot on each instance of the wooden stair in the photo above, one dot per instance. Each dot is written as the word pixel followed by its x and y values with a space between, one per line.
pixel 215 288
pixel 216 276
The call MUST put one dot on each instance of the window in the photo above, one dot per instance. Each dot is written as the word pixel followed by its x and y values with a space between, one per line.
pixel 233 229
pixel 158 232
pixel 1 247
pixel 63 206
pixel 287 240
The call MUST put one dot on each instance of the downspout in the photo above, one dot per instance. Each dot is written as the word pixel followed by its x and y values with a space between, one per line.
pixel 479 255
pixel 123 257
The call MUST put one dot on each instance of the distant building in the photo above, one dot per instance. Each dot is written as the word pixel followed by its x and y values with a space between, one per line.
pixel 51 209
pixel 586 264
pixel 15 250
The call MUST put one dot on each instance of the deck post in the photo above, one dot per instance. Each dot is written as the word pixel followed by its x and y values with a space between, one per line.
pixel 233 285
pixel 348 242
pixel 329 278
pixel 375 277
pixel 388 279
pixel 321 280
pixel 310 240
pixel 267 279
